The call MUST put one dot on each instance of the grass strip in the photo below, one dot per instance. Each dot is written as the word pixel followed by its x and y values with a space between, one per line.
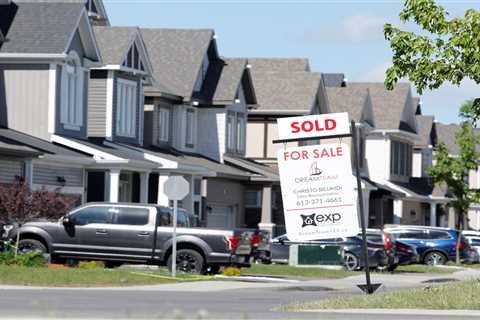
pixel 421 268
pixel 290 271
pixel 453 296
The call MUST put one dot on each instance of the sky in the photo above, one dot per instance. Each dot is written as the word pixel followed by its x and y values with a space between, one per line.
pixel 336 36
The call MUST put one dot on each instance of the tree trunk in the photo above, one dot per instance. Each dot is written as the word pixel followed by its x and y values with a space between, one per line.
pixel 16 243
pixel 459 228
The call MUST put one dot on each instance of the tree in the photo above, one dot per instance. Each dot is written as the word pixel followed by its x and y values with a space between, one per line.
pixel 453 170
pixel 447 50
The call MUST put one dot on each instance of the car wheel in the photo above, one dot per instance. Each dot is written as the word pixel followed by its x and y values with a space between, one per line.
pixel 435 258
pixel 31 245
pixel 351 262
pixel 392 267
pixel 188 261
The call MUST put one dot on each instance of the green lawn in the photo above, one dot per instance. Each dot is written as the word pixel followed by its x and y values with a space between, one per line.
pixel 421 268
pixel 458 296
pixel 285 270
pixel 84 277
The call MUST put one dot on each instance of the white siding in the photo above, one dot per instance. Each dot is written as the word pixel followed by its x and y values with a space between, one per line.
pixel 417 164
pixel 255 138
pixel 377 152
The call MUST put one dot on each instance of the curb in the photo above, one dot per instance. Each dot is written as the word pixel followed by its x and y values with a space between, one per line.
pixel 417 312
pixel 256 279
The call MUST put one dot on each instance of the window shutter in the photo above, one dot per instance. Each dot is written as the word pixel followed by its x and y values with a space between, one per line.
pixel 82 76
pixel 64 95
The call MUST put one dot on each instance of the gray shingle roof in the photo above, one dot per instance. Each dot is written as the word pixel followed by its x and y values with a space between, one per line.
pixel 424 130
pixel 38 27
pixel 333 79
pixel 114 42
pixel 37 144
pixel 230 79
pixel 446 134
pixel 388 106
pixel 294 92
pixel 176 56
pixel 416 105
pixel 279 64
pixel 348 99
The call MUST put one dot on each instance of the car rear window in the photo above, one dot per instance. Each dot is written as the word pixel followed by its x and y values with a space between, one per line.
pixel 131 216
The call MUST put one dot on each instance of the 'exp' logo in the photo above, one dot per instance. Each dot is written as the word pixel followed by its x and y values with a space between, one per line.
pixel 316 219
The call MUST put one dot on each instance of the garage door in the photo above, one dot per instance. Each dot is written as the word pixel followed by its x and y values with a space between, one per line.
pixel 220 217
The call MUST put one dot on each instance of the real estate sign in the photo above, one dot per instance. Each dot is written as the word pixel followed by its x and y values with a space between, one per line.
pixel 318 191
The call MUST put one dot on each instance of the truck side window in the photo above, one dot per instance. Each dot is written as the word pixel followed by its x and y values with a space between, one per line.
pixel 131 216
pixel 92 215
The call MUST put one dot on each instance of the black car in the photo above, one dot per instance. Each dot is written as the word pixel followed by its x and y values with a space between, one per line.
pixel 351 251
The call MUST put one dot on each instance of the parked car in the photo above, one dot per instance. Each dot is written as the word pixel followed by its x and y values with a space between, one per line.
pixel 435 245
pixel 473 240
pixel 351 251
pixel 398 253
pixel 135 233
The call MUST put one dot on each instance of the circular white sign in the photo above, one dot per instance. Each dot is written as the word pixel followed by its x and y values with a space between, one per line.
pixel 176 188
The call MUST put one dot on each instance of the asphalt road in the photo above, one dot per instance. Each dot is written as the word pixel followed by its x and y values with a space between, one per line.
pixel 239 303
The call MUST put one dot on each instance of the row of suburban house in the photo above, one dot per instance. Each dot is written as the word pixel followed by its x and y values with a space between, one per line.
pixel 109 113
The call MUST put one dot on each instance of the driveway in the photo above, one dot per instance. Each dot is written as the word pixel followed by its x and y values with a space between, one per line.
pixel 203 300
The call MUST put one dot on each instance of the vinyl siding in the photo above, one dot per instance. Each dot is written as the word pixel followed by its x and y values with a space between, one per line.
pixel 9 168
pixel 24 98
pixel 97 110
pixel 209 135
pixel 47 175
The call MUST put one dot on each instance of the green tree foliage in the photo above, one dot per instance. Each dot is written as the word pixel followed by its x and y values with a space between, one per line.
pixel 453 170
pixel 445 50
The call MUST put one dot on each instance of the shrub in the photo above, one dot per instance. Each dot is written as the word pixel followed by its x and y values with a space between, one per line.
pixel 31 259
pixel 91 264
pixel 19 204
pixel 232 272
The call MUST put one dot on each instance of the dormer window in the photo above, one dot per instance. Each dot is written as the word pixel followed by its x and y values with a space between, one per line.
pixel 133 60
pixel 71 110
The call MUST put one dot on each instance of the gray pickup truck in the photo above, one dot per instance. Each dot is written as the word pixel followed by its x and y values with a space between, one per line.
pixel 125 233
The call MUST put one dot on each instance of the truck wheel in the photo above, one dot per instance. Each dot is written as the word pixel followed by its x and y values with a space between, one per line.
pixel 31 245
pixel 188 261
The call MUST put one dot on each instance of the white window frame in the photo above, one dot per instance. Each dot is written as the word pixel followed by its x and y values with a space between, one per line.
pixel 72 104
pixel 190 128
pixel 126 112
pixel 163 124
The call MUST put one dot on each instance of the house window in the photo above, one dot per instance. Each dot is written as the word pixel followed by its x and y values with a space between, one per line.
pixel 190 128
pixel 163 124
pixel 126 108
pixel 240 132
pixel 401 159
pixel 73 75
pixel 231 131
pixel 253 199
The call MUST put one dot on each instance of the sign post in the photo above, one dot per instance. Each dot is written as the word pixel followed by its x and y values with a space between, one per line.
pixel 175 188
pixel 317 182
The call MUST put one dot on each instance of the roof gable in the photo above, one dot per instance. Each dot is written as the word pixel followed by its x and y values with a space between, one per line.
pixel 45 27
pixel 176 56
pixel 123 47
pixel 425 131
pixel 393 109
pixel 97 13
pixel 354 100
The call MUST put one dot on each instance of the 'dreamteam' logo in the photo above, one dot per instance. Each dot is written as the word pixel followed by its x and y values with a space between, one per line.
pixel 308 220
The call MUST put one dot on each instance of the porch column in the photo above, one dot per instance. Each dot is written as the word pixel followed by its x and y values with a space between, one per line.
pixel 162 199
pixel 266 219
pixel 114 184
pixel 397 211
pixel 433 214
pixel 144 176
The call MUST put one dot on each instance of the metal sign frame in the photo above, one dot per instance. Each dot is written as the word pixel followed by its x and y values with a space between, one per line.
pixel 368 288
